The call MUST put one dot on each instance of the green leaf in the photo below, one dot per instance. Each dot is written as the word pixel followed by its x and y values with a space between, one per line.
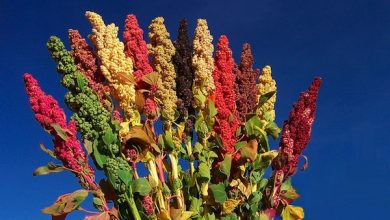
pixel 198 148
pixel 50 168
pixel 231 117
pixel 209 216
pixel 125 176
pixel 201 127
pixel 204 171
pixel 80 80
pixel 168 141
pixel 74 201
pixel 66 203
pixel 100 159
pixel 60 131
pixel 238 131
pixel 240 144
pixel 263 184
pixel 219 192
pixel 212 154
pixel 273 130
pixel 226 165
pixel 97 202
pixel 195 205
pixel 256 176
pixel 288 192
pixel 108 137
pixel 253 126
pixel 264 142
pixel 141 186
pixel 286 185
pixel 255 197
pixel 200 97
pixel 265 97
pixel 232 216
pixel 161 141
pixel 48 151
pixel 264 160
pixel 212 110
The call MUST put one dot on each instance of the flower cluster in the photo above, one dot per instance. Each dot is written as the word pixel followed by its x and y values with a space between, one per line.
pixel 86 62
pixel 245 87
pixel 295 137
pixel 116 67
pixel 136 48
pixel 202 62
pixel 91 117
pixel 161 51
pixel 185 74
pixel 66 148
pixel 297 129
pixel 267 85
pixel 226 120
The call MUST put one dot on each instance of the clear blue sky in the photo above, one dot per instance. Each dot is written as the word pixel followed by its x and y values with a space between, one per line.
pixel 347 42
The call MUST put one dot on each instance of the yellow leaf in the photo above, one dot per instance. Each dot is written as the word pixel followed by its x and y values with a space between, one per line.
pixel 229 205
pixel 186 215
pixel 249 151
pixel 138 135
pixel 291 212
pixel 180 130
pixel 234 183
pixel 163 215
pixel 124 130
pixel 269 155
pixel 175 213
pixel 245 188
pixel 151 78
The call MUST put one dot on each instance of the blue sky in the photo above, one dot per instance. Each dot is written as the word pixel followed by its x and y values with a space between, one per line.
pixel 346 42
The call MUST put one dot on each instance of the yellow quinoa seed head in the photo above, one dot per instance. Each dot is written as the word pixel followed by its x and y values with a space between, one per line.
pixel 161 50
pixel 115 66
pixel 202 61
pixel 266 85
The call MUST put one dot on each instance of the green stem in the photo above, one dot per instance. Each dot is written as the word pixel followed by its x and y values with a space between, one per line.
pixel 133 208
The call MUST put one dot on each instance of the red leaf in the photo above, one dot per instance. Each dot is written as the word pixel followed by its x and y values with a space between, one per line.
pixel 100 216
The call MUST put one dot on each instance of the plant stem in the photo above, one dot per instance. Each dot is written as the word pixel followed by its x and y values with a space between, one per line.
pixel 189 151
pixel 154 182
pixel 133 208
pixel 160 199
pixel 175 177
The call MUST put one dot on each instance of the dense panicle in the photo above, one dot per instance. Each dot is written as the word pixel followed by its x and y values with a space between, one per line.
pixel 226 121
pixel 184 71
pixel 295 136
pixel 91 117
pixel 115 66
pixel 245 87
pixel 68 148
pixel 86 62
pixel 202 62
pixel 161 51
pixel 266 85
pixel 136 48
pixel 297 129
